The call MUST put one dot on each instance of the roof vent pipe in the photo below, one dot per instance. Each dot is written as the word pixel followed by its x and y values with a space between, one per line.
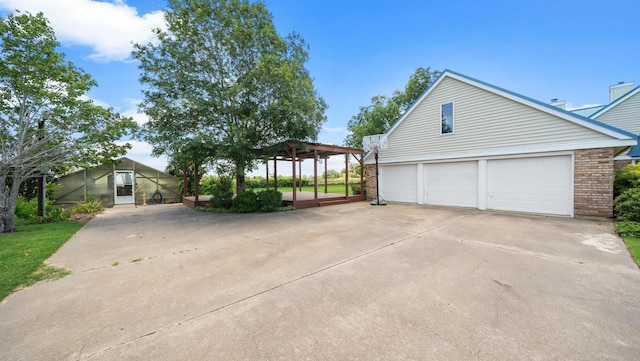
pixel 558 103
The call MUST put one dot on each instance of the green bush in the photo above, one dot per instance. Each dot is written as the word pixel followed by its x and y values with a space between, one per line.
pixel 627 205
pixel 222 192
pixel 627 177
pixel 628 229
pixel 245 202
pixel 27 212
pixel 207 184
pixel 287 181
pixel 92 207
pixel 255 183
pixel 269 200
pixel 26 209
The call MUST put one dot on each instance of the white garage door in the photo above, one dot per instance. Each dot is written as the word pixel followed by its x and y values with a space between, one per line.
pixel 452 184
pixel 398 183
pixel 538 185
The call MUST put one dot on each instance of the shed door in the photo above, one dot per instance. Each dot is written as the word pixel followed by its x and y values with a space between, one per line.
pixel 537 185
pixel 398 183
pixel 123 187
pixel 451 184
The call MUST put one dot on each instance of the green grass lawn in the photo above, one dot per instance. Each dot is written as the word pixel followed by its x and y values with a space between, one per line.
pixel 331 188
pixel 633 244
pixel 22 253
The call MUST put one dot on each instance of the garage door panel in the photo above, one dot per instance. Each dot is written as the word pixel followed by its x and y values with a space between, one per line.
pixel 398 183
pixel 538 185
pixel 452 184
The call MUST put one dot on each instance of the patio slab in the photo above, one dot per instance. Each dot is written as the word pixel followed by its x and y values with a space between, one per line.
pixel 347 282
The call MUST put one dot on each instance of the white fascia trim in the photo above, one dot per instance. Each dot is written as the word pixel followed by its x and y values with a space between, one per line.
pixel 570 147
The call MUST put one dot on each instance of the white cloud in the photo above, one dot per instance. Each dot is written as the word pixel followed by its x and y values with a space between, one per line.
pixel 108 28
pixel 95 101
pixel 132 112
pixel 334 129
pixel 141 152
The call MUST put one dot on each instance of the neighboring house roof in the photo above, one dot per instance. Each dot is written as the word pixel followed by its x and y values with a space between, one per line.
pixel 623 112
pixel 588 111
pixel 612 132
pixel 616 103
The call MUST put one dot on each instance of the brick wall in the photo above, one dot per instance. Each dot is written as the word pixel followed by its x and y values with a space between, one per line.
pixel 619 164
pixel 593 182
pixel 370 175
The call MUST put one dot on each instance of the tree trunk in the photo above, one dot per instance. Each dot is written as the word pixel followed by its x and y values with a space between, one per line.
pixel 8 200
pixel 240 184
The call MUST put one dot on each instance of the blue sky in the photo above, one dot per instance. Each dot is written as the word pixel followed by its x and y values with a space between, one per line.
pixel 571 50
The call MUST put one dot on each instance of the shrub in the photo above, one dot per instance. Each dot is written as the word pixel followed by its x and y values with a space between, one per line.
pixel 26 209
pixel 245 202
pixel 255 183
pixel 91 208
pixel 287 181
pixel 207 184
pixel 27 212
pixel 58 213
pixel 269 200
pixel 628 229
pixel 627 177
pixel 627 205
pixel 222 193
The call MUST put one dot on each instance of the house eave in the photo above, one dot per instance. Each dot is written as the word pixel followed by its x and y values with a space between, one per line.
pixel 567 147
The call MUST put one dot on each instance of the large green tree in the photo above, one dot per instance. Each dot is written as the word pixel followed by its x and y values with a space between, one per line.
pixel 221 78
pixel 383 111
pixel 45 122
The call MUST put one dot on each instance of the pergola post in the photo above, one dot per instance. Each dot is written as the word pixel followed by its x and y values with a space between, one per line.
pixel 315 173
pixel 326 160
pixel 267 166
pixel 293 172
pixel 361 174
pixel 196 183
pixel 346 175
pixel 184 180
pixel 275 173
pixel 300 172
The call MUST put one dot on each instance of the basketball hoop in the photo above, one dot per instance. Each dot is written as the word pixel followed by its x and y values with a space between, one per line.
pixel 375 143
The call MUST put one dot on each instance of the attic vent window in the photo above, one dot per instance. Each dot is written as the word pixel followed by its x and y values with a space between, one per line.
pixel 446 116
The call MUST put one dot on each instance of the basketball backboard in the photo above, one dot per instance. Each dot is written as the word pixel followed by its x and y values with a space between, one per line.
pixel 375 142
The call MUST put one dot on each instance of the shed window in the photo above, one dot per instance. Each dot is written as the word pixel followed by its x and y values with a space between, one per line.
pixel 446 115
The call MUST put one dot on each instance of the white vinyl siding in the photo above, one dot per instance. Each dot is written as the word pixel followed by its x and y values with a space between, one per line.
pixel 625 115
pixel 451 184
pixel 398 183
pixel 537 185
pixel 483 121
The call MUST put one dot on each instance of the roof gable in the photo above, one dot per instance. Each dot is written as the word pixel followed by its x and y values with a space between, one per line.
pixel 616 103
pixel 561 113
pixel 483 114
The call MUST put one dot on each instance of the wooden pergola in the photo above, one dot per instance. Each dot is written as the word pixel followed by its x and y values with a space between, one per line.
pixel 296 153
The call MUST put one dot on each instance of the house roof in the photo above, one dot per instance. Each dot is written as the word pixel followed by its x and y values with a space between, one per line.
pixel 592 124
pixel 616 102
pixel 118 161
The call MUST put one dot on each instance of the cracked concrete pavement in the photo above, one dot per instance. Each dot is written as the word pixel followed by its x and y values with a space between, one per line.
pixel 349 282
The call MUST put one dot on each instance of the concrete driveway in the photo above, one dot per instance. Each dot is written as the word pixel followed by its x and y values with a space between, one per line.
pixel 351 282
